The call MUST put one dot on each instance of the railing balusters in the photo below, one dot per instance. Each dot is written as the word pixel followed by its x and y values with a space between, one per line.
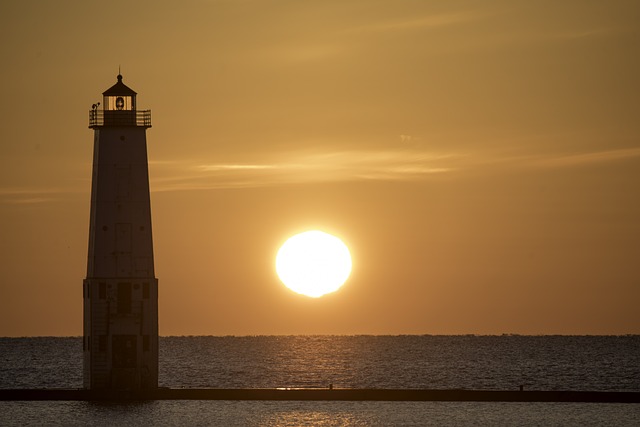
pixel 140 118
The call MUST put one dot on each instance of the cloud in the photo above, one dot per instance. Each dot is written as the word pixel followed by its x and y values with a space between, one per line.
pixel 407 163
pixel 424 22
pixel 222 167
pixel 24 196
pixel 508 160
pixel 580 34
pixel 405 138
pixel 306 168
pixel 29 200
pixel 582 159
pixel 340 42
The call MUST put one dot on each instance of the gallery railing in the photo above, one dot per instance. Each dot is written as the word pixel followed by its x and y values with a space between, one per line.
pixel 98 118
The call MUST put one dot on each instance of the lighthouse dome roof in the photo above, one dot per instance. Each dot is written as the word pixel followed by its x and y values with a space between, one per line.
pixel 119 89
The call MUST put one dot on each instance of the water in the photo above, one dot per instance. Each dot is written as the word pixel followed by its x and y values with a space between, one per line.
pixel 284 414
pixel 610 363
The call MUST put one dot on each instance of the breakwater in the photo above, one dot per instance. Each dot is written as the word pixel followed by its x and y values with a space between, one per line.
pixel 329 394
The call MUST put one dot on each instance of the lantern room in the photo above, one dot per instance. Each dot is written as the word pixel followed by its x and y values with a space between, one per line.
pixel 118 109
pixel 119 97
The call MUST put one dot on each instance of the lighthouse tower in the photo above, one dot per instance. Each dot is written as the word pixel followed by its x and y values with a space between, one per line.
pixel 120 292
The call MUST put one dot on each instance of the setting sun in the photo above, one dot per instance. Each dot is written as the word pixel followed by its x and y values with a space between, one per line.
pixel 313 263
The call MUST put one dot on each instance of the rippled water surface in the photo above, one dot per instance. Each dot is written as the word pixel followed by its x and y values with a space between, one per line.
pixel 289 414
pixel 471 362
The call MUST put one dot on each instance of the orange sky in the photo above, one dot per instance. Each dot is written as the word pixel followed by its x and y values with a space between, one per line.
pixel 480 159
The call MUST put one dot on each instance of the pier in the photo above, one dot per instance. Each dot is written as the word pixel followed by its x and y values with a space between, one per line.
pixel 328 394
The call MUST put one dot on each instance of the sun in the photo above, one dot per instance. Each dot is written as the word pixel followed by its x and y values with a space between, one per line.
pixel 313 263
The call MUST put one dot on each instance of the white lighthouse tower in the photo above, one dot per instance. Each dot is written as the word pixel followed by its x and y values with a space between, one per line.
pixel 120 292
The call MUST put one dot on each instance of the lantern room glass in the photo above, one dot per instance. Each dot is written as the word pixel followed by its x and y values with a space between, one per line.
pixel 119 103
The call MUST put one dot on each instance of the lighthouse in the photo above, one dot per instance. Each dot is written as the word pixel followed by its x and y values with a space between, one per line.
pixel 120 292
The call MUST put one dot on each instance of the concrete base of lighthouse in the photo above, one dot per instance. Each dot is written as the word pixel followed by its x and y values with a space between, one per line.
pixel 121 334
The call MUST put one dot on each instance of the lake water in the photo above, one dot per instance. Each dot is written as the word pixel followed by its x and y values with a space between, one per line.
pixel 609 363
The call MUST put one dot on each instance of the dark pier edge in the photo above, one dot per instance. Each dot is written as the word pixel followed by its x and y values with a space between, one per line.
pixel 323 394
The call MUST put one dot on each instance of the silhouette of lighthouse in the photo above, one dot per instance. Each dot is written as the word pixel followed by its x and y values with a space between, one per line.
pixel 120 343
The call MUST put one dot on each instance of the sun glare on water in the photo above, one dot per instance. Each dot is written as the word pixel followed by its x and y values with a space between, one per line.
pixel 313 263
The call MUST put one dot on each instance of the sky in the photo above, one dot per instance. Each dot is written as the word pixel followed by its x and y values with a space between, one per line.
pixel 481 160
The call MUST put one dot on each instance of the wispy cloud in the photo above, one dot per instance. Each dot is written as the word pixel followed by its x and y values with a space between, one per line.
pixel 307 168
pixel 382 165
pixel 340 41
pixel 24 196
pixel 586 33
pixel 424 22
pixel 583 159
pixel 223 167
